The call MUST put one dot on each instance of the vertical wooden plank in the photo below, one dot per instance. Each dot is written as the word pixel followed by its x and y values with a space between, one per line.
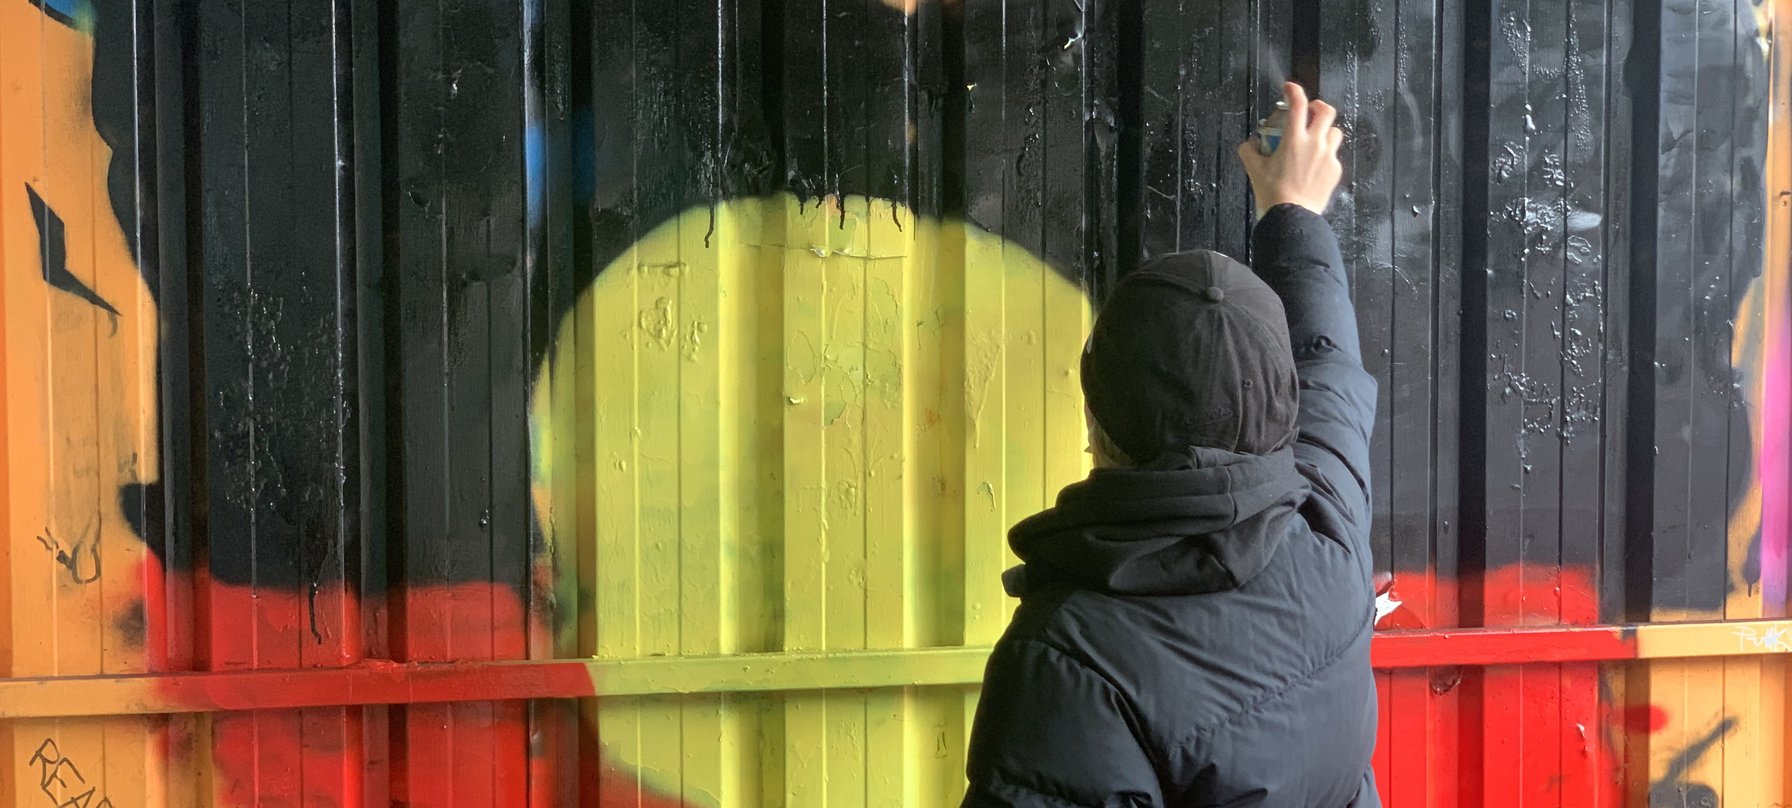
pixel 1745 776
pixel 1368 72
pixel 489 216
pixel 1202 94
pixel 1776 395
pixel 1447 570
pixel 1691 384
pixel 1511 772
pixel 983 350
pixel 417 292
pixel 657 316
pixel 1231 119
pixel 615 449
pixel 758 284
pixel 231 613
pixel 496 250
pixel 707 519
pixel 1611 27
pixel 844 465
pixel 707 524
pixel 1585 299
pixel 1162 75
pixel 1021 486
pixel 1592 422
pixel 607 336
pixel 79 326
pixel 1074 229
pixel 269 179
pixel 806 592
pixel 1418 144
pixel 807 128
pixel 463 408
pixel 1098 80
pixel 1674 256
pixel 848 125
pixel 934 490
pixel 934 570
pixel 1551 589
pixel 556 476
pixel 121 160
pixel 890 507
pixel 312 279
pixel 889 511
pixel 1693 249
pixel 21 432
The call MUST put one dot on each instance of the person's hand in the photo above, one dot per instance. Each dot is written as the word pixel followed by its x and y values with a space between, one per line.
pixel 1305 169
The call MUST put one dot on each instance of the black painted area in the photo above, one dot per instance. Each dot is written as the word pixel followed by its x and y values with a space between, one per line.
pixel 1748 259
pixel 276 302
pixel 1076 125
pixel 1205 73
pixel 359 268
pixel 1422 277
pixel 460 287
pixel 1472 430
pixel 991 146
pixel 1358 63
pixel 1641 75
pixel 1601 296
pixel 1710 176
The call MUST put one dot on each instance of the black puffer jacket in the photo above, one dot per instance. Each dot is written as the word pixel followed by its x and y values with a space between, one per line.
pixel 1196 633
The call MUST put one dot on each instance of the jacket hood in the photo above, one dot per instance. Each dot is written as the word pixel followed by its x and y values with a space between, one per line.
pixel 1204 520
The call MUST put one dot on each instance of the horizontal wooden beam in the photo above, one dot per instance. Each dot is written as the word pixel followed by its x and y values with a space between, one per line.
pixel 377 682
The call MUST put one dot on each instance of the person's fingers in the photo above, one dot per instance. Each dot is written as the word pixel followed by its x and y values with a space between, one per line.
pixel 1324 115
pixel 1334 138
pixel 1251 154
pixel 1297 108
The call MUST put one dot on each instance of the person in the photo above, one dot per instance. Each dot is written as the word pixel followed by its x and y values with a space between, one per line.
pixel 1194 617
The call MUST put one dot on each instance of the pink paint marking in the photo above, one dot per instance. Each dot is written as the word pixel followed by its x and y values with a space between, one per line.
pixel 1776 448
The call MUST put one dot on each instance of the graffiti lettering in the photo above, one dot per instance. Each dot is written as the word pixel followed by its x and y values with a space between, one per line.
pixel 58 775
pixel 1774 639
pixel 82 560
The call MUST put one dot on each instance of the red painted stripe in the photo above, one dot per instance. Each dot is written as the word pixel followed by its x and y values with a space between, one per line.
pixel 1540 746
pixel 1585 769
pixel 376 682
pixel 1407 719
pixel 1493 646
pixel 553 759
pixel 1472 740
pixel 473 752
pixel 1502 724
pixel 1384 738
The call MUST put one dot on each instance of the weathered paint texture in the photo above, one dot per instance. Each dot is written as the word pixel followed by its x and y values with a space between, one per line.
pixel 400 355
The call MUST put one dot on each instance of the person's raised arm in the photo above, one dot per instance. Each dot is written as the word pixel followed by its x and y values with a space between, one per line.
pixel 1296 253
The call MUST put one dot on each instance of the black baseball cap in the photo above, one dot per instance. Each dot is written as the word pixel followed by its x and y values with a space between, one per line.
pixel 1192 350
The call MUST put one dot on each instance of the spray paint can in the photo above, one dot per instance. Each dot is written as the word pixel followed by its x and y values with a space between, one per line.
pixel 1269 130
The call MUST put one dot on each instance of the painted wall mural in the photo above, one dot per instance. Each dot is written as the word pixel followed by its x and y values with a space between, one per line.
pixel 361 336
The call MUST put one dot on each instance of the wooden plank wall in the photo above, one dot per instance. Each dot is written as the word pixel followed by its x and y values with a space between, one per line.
pixel 360 331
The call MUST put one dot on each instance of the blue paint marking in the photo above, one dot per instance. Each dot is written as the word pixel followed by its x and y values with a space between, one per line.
pixel 67 12
pixel 535 160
